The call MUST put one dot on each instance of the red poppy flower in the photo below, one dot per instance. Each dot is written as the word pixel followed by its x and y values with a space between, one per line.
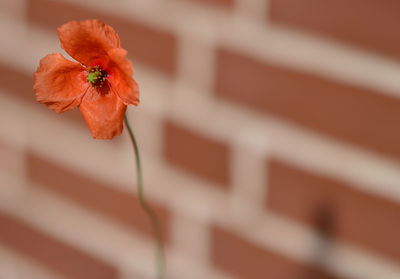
pixel 100 85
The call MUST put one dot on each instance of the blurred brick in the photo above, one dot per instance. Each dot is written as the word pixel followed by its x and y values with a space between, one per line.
pixel 153 47
pixel 14 163
pixel 366 23
pixel 337 209
pixel 248 261
pixel 105 199
pixel 217 3
pixel 197 154
pixel 56 255
pixel 346 112
pixel 16 82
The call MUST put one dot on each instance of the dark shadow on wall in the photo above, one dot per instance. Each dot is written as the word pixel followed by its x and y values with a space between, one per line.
pixel 324 224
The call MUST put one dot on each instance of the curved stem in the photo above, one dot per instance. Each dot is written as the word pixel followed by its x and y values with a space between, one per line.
pixel 150 213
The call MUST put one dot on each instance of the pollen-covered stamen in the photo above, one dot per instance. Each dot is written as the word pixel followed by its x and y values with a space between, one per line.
pixel 96 76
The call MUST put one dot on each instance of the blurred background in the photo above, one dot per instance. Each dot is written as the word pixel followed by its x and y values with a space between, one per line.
pixel 269 133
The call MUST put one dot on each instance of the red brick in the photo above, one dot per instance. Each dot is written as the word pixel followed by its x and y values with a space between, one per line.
pixel 246 260
pixel 336 208
pixel 357 115
pixel 217 3
pixel 197 154
pixel 367 23
pixel 153 47
pixel 53 253
pixel 17 83
pixel 105 199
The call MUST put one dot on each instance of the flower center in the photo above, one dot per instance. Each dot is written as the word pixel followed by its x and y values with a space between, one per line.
pixel 96 76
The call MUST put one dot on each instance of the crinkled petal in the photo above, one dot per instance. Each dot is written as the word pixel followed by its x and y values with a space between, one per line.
pixel 89 40
pixel 59 83
pixel 103 112
pixel 120 76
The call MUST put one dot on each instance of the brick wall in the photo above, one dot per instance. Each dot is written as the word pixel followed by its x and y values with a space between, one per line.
pixel 269 131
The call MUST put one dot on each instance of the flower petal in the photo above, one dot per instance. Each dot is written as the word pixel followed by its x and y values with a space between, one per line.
pixel 87 40
pixel 59 83
pixel 103 112
pixel 120 76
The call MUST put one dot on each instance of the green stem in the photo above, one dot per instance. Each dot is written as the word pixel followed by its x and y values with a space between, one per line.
pixel 150 213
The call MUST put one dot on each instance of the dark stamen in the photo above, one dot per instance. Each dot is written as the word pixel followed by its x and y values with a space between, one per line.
pixel 96 76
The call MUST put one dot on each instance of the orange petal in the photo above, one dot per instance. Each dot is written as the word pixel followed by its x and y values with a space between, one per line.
pixel 87 40
pixel 59 83
pixel 120 76
pixel 103 112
